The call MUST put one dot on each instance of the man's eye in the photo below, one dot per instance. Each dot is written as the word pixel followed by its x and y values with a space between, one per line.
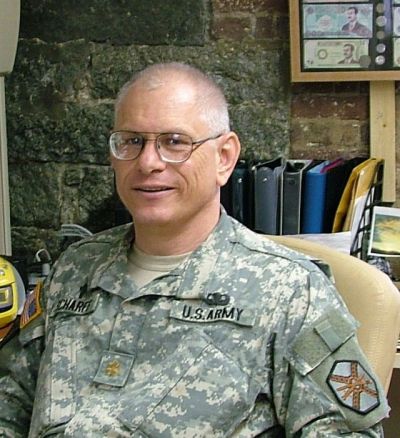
pixel 176 140
pixel 134 141
pixel 173 141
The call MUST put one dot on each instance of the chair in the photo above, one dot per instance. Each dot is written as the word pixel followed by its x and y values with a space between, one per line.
pixel 371 298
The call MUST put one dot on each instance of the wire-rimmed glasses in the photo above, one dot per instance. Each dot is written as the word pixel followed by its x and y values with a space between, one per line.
pixel 171 147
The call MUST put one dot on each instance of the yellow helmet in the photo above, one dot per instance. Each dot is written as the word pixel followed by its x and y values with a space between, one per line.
pixel 12 293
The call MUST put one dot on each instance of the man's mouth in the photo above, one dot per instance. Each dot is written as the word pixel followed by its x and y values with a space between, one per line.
pixel 153 189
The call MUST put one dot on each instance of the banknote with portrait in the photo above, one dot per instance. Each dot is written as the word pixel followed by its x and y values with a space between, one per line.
pixel 338 20
pixel 396 21
pixel 336 54
pixel 396 52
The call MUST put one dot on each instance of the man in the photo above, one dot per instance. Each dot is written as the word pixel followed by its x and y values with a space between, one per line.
pixel 348 53
pixel 185 324
pixel 353 26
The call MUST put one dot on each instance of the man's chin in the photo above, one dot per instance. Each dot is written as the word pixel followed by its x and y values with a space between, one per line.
pixel 153 220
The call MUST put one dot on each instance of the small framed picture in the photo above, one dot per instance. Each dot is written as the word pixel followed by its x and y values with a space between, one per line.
pixel 344 40
pixel 385 232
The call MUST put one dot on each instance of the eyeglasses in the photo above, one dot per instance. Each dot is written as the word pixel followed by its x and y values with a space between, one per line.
pixel 171 148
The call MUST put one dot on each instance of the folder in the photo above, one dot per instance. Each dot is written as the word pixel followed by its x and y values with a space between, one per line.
pixel 336 180
pixel 363 184
pixel 292 195
pixel 267 180
pixel 359 182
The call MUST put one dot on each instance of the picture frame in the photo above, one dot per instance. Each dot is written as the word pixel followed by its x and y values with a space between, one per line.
pixel 384 238
pixel 344 40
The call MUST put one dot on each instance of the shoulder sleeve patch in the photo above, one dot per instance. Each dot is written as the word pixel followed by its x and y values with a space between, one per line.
pixel 32 308
pixel 353 386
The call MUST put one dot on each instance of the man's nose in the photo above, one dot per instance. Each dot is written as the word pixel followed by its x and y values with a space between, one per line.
pixel 149 160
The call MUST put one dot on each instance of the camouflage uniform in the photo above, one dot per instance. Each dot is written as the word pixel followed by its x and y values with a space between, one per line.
pixel 244 339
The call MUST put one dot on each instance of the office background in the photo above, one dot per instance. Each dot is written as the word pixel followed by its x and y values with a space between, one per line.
pixel 72 58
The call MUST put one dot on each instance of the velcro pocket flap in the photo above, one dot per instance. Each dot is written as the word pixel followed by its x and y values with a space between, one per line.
pixel 315 343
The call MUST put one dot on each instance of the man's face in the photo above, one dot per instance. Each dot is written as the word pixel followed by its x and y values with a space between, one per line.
pixel 351 15
pixel 347 52
pixel 165 194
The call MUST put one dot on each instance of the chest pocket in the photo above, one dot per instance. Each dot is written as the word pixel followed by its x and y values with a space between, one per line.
pixel 198 391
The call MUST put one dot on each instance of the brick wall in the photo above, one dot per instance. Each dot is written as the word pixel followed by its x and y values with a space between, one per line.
pixel 330 119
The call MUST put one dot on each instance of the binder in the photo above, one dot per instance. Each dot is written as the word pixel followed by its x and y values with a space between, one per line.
pixel 320 182
pixel 314 198
pixel 267 179
pixel 236 195
pixel 292 195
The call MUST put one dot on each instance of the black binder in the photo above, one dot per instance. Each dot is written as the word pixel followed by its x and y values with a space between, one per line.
pixel 292 195
pixel 267 177
pixel 237 194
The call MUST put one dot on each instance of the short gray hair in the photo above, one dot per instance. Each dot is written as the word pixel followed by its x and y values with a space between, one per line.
pixel 210 101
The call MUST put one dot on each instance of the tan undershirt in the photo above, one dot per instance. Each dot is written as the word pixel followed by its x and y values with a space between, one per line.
pixel 144 268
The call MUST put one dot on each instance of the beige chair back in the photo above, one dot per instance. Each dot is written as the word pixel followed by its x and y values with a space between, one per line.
pixel 371 298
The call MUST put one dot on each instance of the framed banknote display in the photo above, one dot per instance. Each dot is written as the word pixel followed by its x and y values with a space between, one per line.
pixel 345 40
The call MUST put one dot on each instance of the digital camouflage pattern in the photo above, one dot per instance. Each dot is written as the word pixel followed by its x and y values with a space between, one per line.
pixel 240 340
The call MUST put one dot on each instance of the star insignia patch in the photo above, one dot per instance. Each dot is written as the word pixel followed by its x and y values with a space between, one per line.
pixel 353 386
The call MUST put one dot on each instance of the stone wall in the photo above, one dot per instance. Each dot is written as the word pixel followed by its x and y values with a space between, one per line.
pixel 72 58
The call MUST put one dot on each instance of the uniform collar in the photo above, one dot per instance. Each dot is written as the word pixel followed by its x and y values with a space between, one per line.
pixel 188 280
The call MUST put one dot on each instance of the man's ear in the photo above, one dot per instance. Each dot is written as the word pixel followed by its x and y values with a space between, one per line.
pixel 228 154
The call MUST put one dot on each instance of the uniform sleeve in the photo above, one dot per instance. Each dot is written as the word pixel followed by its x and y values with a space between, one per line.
pixel 323 384
pixel 19 364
